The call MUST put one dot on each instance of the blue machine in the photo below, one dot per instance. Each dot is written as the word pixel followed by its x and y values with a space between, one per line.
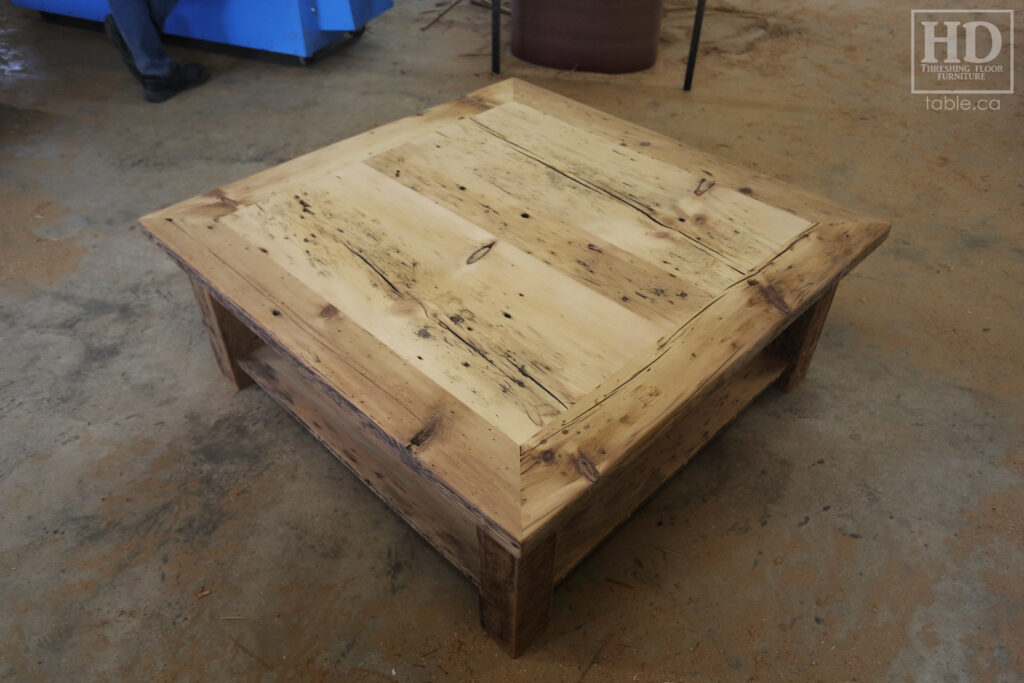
pixel 291 27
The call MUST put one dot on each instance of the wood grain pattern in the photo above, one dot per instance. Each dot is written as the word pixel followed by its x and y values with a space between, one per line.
pixel 401 407
pixel 515 591
pixel 717 222
pixel 724 173
pixel 562 460
pixel 622 488
pixel 261 185
pixel 500 331
pixel 387 471
pixel 575 228
pixel 522 313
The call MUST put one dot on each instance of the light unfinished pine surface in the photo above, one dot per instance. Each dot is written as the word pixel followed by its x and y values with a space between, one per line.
pixel 514 290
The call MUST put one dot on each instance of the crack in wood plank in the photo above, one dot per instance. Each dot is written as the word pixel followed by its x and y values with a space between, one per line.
pixel 522 369
pixel 639 207
pixel 373 267
pixel 664 345
pixel 268 337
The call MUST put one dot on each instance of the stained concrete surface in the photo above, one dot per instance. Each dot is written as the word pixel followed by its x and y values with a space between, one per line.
pixel 156 525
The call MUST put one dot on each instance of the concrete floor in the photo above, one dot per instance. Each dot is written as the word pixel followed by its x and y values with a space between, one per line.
pixel 155 525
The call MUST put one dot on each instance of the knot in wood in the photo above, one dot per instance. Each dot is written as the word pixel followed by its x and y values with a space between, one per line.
pixel 587 469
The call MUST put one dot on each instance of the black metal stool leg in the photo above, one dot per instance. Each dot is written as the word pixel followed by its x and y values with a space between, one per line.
pixel 496 36
pixel 698 19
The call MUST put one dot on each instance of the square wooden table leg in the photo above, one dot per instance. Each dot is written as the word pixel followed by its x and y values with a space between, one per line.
pixel 229 337
pixel 800 339
pixel 515 592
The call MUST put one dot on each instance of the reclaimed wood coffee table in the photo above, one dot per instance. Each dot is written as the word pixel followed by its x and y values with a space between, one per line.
pixel 513 317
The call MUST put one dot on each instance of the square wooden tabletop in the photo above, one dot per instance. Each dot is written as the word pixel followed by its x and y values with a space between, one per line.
pixel 517 289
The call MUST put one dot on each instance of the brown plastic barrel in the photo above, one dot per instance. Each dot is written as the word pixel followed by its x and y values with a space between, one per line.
pixel 608 36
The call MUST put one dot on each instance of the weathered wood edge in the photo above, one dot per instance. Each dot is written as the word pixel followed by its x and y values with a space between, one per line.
pixel 573 456
pixel 505 537
pixel 247 190
pixel 259 367
pixel 516 591
pixel 800 202
pixel 349 150
pixel 645 141
pixel 610 502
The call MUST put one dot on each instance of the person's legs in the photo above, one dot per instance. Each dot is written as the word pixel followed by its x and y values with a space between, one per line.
pixel 134 27
pixel 139 23
pixel 110 28
pixel 160 10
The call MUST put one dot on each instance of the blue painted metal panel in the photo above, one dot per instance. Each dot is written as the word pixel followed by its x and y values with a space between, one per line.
pixel 293 27
pixel 275 25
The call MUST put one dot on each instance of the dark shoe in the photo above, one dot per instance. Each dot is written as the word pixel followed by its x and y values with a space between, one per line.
pixel 110 26
pixel 183 77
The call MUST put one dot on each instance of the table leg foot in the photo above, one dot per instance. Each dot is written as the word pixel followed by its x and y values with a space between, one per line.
pixel 229 337
pixel 798 342
pixel 515 592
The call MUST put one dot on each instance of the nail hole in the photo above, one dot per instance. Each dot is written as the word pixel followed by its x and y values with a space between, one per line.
pixel 276 312
pixel 525 215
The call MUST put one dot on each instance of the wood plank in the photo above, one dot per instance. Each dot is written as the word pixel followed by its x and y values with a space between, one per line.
pixel 515 591
pixel 259 186
pixel 372 290
pixel 379 465
pixel 725 173
pixel 229 339
pixel 638 401
pixel 741 231
pixel 601 215
pixel 551 217
pixel 620 491
pixel 399 403
pixel 486 321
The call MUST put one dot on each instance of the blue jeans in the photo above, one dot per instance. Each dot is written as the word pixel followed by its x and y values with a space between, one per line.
pixel 140 23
